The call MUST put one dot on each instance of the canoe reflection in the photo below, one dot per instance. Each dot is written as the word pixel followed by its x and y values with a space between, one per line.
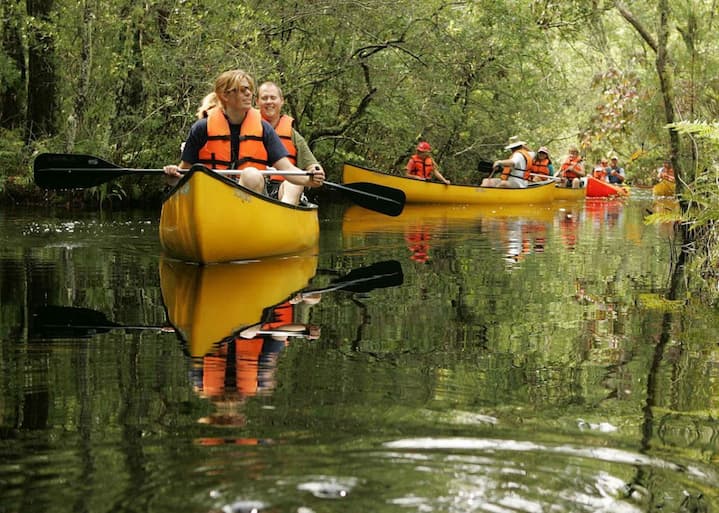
pixel 236 319
pixel 206 304
pixel 520 228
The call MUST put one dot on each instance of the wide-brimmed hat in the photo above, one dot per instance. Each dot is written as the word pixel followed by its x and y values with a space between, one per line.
pixel 424 146
pixel 514 142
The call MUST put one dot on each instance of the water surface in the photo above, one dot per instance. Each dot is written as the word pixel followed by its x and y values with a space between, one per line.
pixel 526 360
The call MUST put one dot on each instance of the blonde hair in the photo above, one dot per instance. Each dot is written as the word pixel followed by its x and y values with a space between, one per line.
pixel 224 83
pixel 208 102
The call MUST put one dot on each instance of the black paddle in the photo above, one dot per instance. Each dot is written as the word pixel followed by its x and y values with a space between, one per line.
pixel 76 171
pixel 68 322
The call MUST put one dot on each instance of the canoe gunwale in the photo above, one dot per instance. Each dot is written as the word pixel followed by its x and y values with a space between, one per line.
pixel 233 184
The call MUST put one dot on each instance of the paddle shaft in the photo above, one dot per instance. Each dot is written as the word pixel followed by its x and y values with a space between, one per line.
pixel 141 171
pixel 68 171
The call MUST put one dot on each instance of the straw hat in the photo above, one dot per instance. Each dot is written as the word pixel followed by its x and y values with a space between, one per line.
pixel 514 142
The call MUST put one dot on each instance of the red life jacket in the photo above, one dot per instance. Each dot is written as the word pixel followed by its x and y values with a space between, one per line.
pixel 217 153
pixel 527 158
pixel 422 167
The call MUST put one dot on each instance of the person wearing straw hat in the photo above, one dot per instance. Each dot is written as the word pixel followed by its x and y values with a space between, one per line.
pixel 421 165
pixel 512 168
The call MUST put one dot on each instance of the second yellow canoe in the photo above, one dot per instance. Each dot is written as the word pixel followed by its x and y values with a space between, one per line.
pixel 418 191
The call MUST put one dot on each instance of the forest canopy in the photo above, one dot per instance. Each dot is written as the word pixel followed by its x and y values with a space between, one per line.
pixel 365 81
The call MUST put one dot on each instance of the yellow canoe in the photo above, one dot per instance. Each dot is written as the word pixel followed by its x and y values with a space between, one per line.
pixel 210 218
pixel 664 188
pixel 418 191
pixel 206 304
pixel 569 194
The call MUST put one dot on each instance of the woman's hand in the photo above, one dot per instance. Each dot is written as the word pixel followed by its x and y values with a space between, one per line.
pixel 317 176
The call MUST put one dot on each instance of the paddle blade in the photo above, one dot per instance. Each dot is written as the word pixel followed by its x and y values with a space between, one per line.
pixel 380 198
pixel 485 167
pixel 58 322
pixel 387 273
pixel 73 171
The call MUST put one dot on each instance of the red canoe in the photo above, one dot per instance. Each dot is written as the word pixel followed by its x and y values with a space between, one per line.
pixel 598 189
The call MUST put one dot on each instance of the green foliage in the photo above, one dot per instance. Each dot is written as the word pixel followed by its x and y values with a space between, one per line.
pixel 366 81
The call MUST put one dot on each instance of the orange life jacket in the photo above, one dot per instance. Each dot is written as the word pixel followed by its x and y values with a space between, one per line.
pixel 422 167
pixel 217 153
pixel 527 158
pixel 538 167
pixel 282 314
pixel 600 173
pixel 570 173
pixel 284 131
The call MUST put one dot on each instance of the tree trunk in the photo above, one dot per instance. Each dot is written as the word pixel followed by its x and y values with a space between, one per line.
pixel 666 86
pixel 41 90
pixel 660 48
pixel 76 120
pixel 12 98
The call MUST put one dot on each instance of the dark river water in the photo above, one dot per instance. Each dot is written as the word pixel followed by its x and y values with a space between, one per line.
pixel 453 359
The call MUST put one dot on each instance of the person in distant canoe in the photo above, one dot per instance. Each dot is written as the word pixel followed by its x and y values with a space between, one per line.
pixel 421 165
pixel 542 168
pixel 270 102
pixel 615 173
pixel 512 169
pixel 234 136
pixel 572 169
pixel 600 170
pixel 666 172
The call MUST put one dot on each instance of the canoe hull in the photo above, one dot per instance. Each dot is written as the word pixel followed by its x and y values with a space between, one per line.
pixel 569 194
pixel 418 191
pixel 599 189
pixel 209 218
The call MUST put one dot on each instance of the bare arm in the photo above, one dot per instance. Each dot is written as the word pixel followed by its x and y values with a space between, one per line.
pixel 435 171
pixel 316 179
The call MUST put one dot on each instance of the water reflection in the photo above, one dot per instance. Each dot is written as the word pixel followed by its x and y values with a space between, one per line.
pixel 236 319
pixel 517 230
pixel 206 304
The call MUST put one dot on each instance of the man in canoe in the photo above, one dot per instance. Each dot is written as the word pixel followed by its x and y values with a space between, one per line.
pixel 421 165
pixel 234 136
pixel 572 169
pixel 270 102
pixel 615 174
pixel 513 169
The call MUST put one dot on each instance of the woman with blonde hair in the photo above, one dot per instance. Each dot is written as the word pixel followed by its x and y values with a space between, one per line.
pixel 231 134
